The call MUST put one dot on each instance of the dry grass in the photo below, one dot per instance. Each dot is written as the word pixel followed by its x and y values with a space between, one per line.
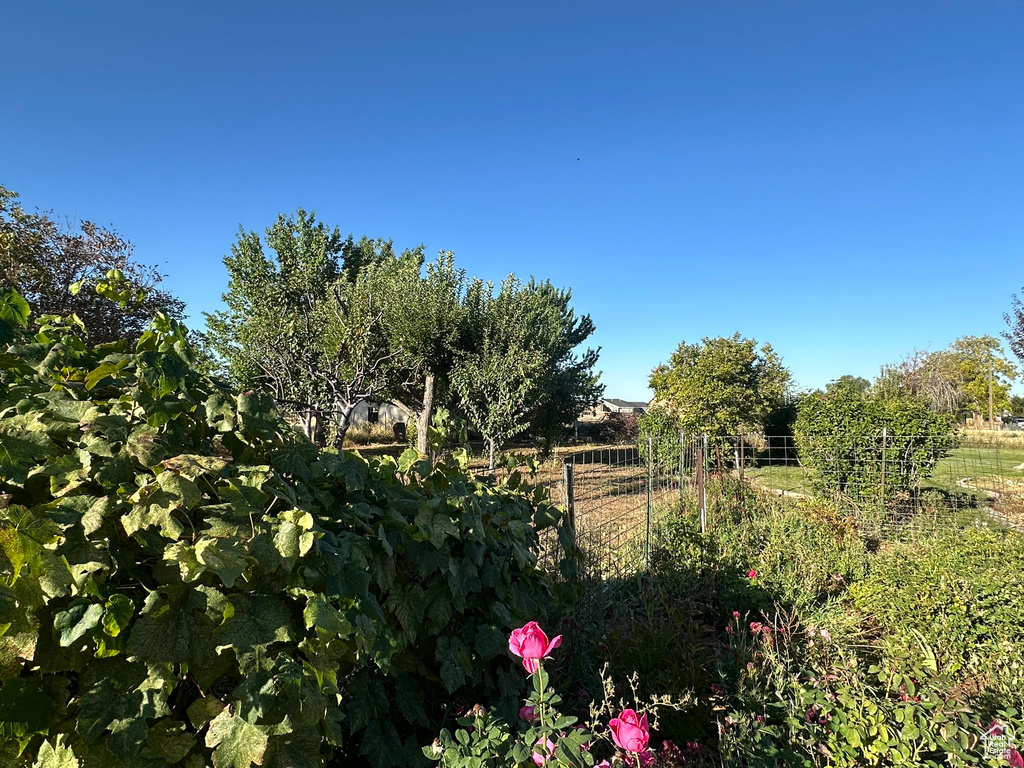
pixel 370 435
pixel 1004 438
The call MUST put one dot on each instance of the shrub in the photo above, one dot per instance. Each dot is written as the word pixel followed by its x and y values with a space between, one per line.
pixel 796 697
pixel 184 579
pixel 839 435
pixel 961 591
pixel 661 427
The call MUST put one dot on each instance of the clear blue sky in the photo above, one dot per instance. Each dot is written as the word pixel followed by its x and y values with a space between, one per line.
pixel 844 180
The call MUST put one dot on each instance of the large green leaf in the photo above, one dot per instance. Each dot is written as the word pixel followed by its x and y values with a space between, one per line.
pixel 237 743
pixel 20 451
pixel 55 755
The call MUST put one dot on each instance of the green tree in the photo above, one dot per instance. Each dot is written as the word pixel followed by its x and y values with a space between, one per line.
pixel 43 261
pixel 721 386
pixel 659 431
pixel 985 372
pixel 518 368
pixel 952 380
pixel 495 377
pixel 1014 334
pixel 1017 405
pixel 307 324
pixel 855 383
pixel 426 318
pixel 568 382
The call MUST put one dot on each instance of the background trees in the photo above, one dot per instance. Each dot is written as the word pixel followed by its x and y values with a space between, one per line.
pixel 1015 323
pixel 324 322
pixel 307 323
pixel 721 386
pixel 518 368
pixel 42 259
pixel 954 380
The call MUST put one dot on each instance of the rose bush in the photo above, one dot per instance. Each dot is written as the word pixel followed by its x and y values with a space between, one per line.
pixel 542 734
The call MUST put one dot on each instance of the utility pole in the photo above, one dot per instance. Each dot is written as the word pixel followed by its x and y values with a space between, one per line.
pixel 991 421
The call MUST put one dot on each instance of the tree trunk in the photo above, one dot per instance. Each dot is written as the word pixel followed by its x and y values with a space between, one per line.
pixel 491 441
pixel 306 423
pixel 425 416
pixel 319 429
pixel 344 419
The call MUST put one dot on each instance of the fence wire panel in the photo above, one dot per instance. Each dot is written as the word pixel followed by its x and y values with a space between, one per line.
pixel 891 485
pixel 618 498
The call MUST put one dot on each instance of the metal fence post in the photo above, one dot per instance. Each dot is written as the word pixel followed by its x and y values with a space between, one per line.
pixel 682 464
pixel 650 493
pixel 702 501
pixel 570 500
pixel 885 434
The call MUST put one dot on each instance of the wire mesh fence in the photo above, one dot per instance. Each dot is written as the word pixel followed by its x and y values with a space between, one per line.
pixel 891 485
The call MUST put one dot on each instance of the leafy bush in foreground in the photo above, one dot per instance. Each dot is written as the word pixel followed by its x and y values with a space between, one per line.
pixel 184 580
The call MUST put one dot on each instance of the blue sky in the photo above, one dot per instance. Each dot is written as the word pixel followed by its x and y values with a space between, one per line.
pixel 844 180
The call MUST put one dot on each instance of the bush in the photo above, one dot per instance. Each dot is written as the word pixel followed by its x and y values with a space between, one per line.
pixel 961 591
pixel 839 435
pixel 184 579
pixel 661 427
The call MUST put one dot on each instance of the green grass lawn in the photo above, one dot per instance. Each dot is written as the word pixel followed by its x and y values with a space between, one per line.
pixel 988 464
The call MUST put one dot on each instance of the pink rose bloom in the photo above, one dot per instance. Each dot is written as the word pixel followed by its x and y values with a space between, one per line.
pixel 529 714
pixel 1014 758
pixel 531 644
pixel 603 764
pixel 825 634
pixel 735 614
pixel 548 747
pixel 751 574
pixel 630 732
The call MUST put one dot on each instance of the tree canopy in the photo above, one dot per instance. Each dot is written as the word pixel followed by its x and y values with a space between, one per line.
pixel 44 261
pixel 307 323
pixel 952 380
pixel 323 323
pixel 518 368
pixel 722 385
pixel 1015 324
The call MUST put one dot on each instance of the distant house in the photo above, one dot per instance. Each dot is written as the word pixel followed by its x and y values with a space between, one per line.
pixel 387 414
pixel 611 405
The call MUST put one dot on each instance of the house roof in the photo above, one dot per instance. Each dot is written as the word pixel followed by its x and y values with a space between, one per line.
pixel 625 403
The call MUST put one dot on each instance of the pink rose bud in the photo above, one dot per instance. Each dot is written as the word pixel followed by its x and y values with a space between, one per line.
pixel 547 747
pixel 529 714
pixel 630 732
pixel 531 645
pixel 751 574
pixel 735 614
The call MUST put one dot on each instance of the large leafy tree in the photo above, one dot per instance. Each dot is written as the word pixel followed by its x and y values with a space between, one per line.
pixel 568 381
pixel 307 323
pixel 723 385
pixel 953 380
pixel 426 319
pixel 985 372
pixel 43 260
pixel 518 368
